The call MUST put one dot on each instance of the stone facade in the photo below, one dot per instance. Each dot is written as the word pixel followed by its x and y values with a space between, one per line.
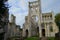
pixel 48 24
pixel 42 23
pixel 13 29
pixel 29 28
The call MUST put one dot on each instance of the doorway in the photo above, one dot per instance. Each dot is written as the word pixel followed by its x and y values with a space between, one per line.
pixel 43 32
pixel 37 31
pixel 26 33
pixel 1 36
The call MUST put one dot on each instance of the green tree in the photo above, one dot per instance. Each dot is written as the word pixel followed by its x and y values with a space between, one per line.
pixel 57 20
pixel 3 8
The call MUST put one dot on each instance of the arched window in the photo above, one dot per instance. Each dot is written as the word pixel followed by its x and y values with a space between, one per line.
pixel 51 28
pixel 42 25
pixel 36 18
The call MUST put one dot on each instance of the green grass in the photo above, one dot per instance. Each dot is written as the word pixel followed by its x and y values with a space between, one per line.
pixel 37 38
pixel 51 38
pixel 32 38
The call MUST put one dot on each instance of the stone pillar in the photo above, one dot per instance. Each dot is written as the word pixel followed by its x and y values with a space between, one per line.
pixel 29 29
pixel 45 28
pixel 48 32
pixel 40 33
pixel 29 33
pixel 40 29
pixel 53 23
pixel 39 24
pixel 24 32
pixel 53 33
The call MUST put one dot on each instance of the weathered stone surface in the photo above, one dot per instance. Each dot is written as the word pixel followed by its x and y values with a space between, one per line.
pixel 45 23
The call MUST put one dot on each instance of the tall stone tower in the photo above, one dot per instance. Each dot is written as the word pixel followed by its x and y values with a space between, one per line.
pixel 13 18
pixel 35 12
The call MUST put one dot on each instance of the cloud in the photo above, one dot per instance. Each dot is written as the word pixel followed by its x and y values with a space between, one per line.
pixel 49 5
pixel 20 18
pixel 19 9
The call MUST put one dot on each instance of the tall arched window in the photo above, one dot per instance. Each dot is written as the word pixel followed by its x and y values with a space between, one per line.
pixel 51 28
pixel 42 25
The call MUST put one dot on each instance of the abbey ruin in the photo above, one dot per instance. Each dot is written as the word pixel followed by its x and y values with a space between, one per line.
pixel 38 23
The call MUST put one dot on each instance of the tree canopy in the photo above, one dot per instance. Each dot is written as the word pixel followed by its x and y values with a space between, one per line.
pixel 57 20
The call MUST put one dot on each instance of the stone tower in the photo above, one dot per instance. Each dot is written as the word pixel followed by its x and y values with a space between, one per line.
pixel 37 23
pixel 35 12
pixel 13 18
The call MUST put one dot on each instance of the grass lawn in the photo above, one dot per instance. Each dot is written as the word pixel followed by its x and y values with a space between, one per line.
pixel 32 38
pixel 37 38
pixel 51 38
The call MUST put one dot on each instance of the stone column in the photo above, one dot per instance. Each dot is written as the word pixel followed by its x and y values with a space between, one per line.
pixel 53 33
pixel 48 32
pixel 29 30
pixel 53 23
pixel 23 33
pixel 29 33
pixel 40 33
pixel 40 29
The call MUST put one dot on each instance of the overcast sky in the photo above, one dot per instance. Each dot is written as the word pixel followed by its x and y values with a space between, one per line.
pixel 20 8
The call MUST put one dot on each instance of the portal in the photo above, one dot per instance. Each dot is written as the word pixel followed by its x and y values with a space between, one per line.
pixel 26 33
pixel 43 32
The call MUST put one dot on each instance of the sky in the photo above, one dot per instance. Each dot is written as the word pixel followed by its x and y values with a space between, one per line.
pixel 19 8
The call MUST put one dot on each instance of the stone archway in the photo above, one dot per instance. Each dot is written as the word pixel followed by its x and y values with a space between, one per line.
pixel 43 32
pixel 37 31
pixel 26 33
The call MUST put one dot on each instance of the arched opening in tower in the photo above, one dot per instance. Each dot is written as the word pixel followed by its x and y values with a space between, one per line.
pixel 37 31
pixel 43 32
pixel 26 33
pixel 36 18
